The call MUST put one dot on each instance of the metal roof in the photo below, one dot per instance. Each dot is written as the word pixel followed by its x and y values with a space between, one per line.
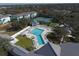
pixel 46 50
pixel 70 49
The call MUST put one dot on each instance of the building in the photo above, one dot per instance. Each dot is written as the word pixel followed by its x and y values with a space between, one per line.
pixel 25 15
pixel 46 50
pixel 69 49
pixel 29 15
pixel 4 19
pixel 39 20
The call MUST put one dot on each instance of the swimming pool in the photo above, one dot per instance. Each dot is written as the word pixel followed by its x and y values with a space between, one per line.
pixel 38 32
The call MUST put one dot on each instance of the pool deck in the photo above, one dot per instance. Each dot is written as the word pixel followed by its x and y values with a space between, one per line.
pixel 27 31
pixel 47 30
pixel 18 33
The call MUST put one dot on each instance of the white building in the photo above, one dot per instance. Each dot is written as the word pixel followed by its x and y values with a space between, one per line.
pixel 30 14
pixel 33 14
pixel 4 19
pixel 27 15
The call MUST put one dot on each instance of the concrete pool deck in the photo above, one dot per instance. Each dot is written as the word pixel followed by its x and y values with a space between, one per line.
pixel 27 31
pixel 18 33
pixel 47 30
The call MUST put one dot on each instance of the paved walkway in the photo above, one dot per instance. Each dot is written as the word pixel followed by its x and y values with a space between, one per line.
pixel 18 33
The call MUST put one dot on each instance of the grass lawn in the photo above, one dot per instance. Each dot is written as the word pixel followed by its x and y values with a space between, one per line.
pixel 25 42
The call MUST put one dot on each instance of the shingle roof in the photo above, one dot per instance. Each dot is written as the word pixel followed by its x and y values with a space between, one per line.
pixel 70 49
pixel 46 51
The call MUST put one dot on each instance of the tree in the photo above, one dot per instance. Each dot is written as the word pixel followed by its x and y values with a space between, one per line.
pixel 59 35
pixel 4 44
pixel 53 38
pixel 61 32
pixel 18 24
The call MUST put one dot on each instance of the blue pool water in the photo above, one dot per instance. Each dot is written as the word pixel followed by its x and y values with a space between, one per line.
pixel 38 32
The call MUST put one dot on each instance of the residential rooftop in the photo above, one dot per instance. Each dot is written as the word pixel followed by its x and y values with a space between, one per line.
pixel 70 49
pixel 46 50
pixel 3 16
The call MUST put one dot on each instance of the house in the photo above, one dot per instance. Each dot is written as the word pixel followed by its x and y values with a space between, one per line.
pixel 25 15
pixel 4 19
pixel 13 17
pixel 33 14
pixel 29 15
pixel 19 16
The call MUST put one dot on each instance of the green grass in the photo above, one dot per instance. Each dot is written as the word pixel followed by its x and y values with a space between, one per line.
pixel 25 42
